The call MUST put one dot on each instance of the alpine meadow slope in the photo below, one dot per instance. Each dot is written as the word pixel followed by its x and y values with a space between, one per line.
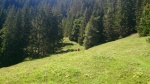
pixel 124 61
pixel 35 28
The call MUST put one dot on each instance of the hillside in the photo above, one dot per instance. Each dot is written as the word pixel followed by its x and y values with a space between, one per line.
pixel 35 28
pixel 124 61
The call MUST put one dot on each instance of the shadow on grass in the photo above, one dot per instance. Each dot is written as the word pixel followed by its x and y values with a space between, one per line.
pixel 59 51
pixel 36 56
pixel 65 51
pixel 62 51
pixel 67 44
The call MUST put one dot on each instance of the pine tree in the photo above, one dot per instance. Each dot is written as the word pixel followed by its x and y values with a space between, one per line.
pixel 144 23
pixel 36 35
pixel 75 31
pixel 84 21
pixel 12 50
pixel 26 26
pixel 45 34
pixel 128 18
pixel 2 17
pixel 109 24
pixel 93 32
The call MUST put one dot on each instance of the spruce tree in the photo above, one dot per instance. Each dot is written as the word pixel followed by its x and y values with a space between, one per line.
pixel 12 50
pixel 84 21
pixel 109 21
pixel 75 31
pixel 93 32
pixel 144 23
pixel 45 33
pixel 26 26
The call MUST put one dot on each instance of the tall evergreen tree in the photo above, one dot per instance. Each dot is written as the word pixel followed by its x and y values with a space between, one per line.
pixel 12 50
pixel 86 16
pixel 109 18
pixel 144 22
pixel 26 26
pixel 75 31
pixel 93 32
pixel 45 34
pixel 128 18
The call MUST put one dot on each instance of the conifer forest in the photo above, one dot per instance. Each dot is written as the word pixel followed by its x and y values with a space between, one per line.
pixel 36 28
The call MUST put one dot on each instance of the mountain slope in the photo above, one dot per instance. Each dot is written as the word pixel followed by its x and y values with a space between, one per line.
pixel 124 61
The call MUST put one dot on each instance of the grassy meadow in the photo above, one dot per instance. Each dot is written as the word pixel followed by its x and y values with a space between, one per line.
pixel 124 61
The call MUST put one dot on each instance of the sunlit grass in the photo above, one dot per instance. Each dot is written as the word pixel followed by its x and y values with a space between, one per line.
pixel 124 61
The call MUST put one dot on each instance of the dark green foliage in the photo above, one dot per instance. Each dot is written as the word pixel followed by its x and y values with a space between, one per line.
pixel 93 32
pixel 67 24
pixel 12 50
pixel 109 22
pixel 94 29
pixel 118 19
pixel 26 27
pixel 144 24
pixel 75 31
pixel 2 18
pixel 128 21
pixel 45 33
pixel 86 16
pixel 28 31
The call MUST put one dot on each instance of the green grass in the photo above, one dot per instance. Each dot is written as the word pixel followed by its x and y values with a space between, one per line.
pixel 124 61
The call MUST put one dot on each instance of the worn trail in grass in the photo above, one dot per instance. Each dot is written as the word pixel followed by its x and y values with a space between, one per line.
pixel 125 61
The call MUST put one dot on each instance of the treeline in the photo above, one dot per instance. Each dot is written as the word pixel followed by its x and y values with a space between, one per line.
pixel 35 28
pixel 92 22
pixel 28 29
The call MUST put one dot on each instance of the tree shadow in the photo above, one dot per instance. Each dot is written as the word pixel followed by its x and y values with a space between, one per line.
pixel 60 51
pixel 67 44
pixel 65 51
